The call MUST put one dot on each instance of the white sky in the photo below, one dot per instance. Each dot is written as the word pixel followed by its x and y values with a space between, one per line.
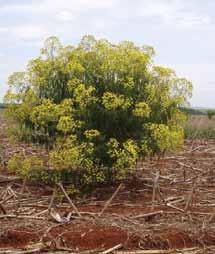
pixel 181 31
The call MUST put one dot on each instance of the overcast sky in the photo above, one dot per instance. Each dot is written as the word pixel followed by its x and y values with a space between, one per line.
pixel 181 31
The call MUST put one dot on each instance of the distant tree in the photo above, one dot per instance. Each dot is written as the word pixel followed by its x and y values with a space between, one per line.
pixel 210 113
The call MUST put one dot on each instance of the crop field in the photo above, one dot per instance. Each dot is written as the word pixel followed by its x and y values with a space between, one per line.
pixel 169 207
pixel 200 122
pixel 200 126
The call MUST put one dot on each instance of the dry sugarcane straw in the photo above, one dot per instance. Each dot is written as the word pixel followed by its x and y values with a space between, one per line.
pixel 11 216
pixel 52 199
pixel 117 247
pixel 155 189
pixel 175 251
pixel 190 197
pixel 147 215
pixel 111 199
pixel 70 201
pixel 2 208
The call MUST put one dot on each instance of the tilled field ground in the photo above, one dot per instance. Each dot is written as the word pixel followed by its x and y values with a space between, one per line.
pixel 169 207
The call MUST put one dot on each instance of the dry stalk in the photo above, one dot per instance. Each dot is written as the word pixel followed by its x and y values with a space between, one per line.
pixel 155 186
pixel 68 198
pixel 111 199
pixel 190 197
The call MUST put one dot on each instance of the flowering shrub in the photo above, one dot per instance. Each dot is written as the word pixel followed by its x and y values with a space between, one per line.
pixel 99 106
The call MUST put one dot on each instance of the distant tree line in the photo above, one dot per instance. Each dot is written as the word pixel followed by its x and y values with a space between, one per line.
pixel 2 105
pixel 193 111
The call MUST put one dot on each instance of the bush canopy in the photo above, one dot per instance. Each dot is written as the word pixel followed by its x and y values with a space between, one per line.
pixel 99 106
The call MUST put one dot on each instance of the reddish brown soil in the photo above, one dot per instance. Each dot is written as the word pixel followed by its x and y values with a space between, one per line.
pixel 18 238
pixel 82 237
pixel 170 240
pixel 93 236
